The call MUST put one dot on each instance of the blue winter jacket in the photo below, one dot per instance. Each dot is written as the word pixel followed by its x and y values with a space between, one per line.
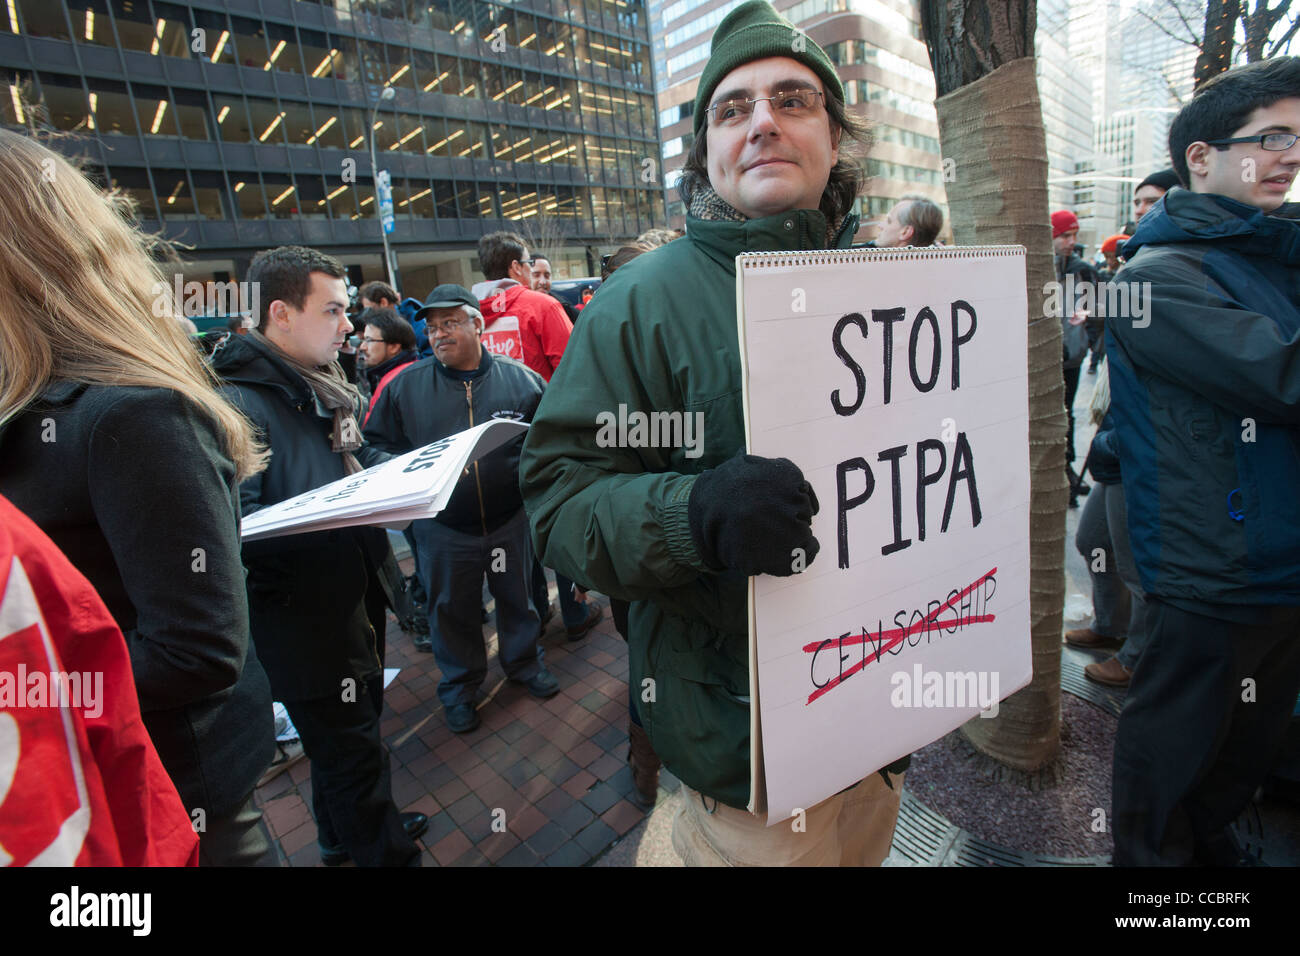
pixel 1206 401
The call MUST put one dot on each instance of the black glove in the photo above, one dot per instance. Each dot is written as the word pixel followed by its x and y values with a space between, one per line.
pixel 749 514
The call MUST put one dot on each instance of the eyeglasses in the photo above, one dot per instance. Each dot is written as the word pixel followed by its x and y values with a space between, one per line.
pixel 446 326
pixel 733 113
pixel 1275 142
pixel 373 341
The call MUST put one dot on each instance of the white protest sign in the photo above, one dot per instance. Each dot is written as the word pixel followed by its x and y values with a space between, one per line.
pixel 415 485
pixel 896 379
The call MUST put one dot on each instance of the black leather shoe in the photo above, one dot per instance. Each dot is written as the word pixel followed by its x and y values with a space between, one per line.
pixel 462 718
pixel 543 684
pixel 415 824
pixel 333 856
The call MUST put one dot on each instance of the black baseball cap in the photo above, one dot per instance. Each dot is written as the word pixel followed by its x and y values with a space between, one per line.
pixel 447 296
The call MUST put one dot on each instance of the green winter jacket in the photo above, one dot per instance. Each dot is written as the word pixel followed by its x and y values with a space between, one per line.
pixel 661 337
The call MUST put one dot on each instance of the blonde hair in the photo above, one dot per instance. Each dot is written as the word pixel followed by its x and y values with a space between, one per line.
pixel 80 298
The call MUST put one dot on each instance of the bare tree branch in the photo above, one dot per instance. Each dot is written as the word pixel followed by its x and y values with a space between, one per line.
pixel 1169 33
pixel 1284 41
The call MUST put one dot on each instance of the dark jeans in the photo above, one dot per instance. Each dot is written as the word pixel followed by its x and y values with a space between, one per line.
pixel 1189 751
pixel 1071 388
pixel 237 839
pixel 1118 603
pixel 351 793
pixel 454 565
pixel 618 611
pixel 572 611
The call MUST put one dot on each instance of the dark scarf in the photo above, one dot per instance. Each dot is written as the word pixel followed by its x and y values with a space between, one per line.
pixel 334 394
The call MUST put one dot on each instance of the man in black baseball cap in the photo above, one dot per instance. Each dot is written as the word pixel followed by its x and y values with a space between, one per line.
pixel 447 296
pixel 483 528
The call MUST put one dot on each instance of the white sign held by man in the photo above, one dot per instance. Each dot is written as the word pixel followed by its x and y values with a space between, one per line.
pixel 896 380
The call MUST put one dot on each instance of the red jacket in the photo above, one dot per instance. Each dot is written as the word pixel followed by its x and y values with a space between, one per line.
pixel 80 781
pixel 524 325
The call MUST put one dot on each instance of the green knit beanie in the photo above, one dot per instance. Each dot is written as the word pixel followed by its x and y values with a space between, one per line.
pixel 754 31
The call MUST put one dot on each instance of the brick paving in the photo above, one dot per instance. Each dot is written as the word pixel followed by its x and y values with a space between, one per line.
pixel 538 783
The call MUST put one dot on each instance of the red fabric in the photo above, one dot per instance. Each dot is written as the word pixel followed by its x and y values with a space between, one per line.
pixel 391 374
pixel 79 784
pixel 527 326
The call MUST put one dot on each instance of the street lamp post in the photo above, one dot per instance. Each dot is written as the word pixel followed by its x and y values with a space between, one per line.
pixel 387 94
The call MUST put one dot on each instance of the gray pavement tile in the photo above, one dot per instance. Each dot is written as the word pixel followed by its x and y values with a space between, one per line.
pixel 466 809
pixel 503 758
pixel 561 770
pixel 472 858
pixel 546 755
pixel 601 797
pixel 514 731
pixel 519 856
pixel 596 837
pixel 570 854
pixel 547 840
pixel 594 701
pixel 437 776
pixel 613 737
pixel 520 772
pixel 555 803
pixel 440 824
pixel 574 819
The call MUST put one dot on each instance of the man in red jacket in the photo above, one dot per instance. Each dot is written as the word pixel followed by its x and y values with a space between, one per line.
pixel 521 324
pixel 529 327
pixel 80 781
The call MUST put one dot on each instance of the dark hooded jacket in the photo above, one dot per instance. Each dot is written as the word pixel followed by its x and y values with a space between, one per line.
pixel 306 592
pixel 1205 394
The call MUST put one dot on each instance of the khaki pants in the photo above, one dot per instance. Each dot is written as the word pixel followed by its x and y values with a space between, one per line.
pixel 852 828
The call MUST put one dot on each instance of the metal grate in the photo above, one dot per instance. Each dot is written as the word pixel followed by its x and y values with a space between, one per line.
pixel 1073 681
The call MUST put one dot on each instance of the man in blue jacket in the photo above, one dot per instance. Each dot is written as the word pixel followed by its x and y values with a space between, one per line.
pixel 1205 386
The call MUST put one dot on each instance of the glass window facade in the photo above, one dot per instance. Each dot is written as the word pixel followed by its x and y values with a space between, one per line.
pixel 562 115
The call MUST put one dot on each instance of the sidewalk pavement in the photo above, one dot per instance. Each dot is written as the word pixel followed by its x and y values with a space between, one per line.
pixel 540 782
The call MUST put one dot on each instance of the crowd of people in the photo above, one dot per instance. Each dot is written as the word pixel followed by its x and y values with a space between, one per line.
pixel 104 406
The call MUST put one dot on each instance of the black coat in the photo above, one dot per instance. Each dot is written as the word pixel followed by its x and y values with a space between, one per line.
pixel 428 402
pixel 306 592
pixel 134 486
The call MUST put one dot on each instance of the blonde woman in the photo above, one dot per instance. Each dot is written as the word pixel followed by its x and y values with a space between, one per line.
pixel 114 440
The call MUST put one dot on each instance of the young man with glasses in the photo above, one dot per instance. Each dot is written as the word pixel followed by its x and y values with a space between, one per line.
pixel 483 528
pixel 678 535
pixel 388 347
pixel 1205 393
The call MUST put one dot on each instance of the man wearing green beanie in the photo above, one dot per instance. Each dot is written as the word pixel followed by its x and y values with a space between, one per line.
pixel 677 530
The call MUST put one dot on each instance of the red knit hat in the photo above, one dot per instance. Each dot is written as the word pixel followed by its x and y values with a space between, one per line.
pixel 1112 243
pixel 1063 221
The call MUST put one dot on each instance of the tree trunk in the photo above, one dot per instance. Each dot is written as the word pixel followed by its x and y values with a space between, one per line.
pixel 991 125
pixel 1216 50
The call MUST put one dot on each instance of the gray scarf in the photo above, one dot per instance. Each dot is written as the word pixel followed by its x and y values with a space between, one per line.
pixel 335 394
pixel 703 202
